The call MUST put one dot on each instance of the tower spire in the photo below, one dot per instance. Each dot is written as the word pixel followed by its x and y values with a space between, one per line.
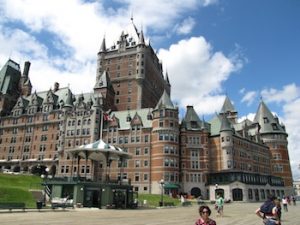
pixel 103 45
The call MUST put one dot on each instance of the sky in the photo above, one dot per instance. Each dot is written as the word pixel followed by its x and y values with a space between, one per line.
pixel 246 50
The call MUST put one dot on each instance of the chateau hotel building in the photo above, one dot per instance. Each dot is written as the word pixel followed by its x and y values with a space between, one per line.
pixel 130 107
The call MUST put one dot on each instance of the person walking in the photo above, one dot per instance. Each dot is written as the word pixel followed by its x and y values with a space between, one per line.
pixel 278 209
pixel 204 212
pixel 269 212
pixel 285 203
pixel 294 199
pixel 220 205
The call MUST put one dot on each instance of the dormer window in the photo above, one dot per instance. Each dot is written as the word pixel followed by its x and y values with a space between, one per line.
pixel 266 120
pixel 161 113
pixel 149 116
pixel 275 127
pixel 194 124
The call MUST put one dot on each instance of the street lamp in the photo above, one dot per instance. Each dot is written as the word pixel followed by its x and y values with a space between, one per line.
pixel 216 186
pixel 161 182
pixel 44 176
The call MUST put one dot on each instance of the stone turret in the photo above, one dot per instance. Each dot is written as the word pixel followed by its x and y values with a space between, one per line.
pixel 273 134
pixel 226 140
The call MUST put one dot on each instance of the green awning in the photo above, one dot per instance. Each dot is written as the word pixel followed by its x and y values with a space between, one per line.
pixel 171 186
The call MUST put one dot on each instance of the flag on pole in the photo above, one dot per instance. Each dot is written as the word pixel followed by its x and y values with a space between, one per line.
pixel 106 117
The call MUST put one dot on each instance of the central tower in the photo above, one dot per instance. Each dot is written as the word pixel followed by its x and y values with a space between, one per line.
pixel 134 72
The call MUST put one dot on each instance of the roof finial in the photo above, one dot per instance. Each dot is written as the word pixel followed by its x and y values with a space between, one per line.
pixel 131 17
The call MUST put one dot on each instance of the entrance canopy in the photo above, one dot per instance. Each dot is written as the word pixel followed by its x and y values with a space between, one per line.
pixel 99 149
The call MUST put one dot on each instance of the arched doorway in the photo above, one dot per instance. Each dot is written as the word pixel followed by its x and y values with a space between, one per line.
pixel 237 194
pixel 25 168
pixel 17 169
pixel 196 192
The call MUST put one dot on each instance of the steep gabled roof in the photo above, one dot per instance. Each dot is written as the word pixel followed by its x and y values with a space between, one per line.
pixel 122 117
pixel 165 102
pixel 225 124
pixel 227 106
pixel 70 98
pixel 35 100
pixel 137 120
pixel 21 103
pixel 10 75
pixel 103 46
pixel 268 123
pixel 103 81
pixel 51 98
pixel 191 121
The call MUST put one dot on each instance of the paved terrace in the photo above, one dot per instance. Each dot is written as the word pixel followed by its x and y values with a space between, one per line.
pixel 234 214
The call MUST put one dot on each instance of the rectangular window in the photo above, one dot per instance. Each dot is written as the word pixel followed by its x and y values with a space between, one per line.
pixel 145 177
pixel 136 177
pixel 137 163
pixel 146 138
pixel 146 163
pixel 137 151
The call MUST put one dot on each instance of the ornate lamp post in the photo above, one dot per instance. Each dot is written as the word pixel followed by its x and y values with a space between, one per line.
pixel 161 182
pixel 216 188
pixel 45 176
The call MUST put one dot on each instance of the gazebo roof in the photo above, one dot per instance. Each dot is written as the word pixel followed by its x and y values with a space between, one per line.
pixel 96 151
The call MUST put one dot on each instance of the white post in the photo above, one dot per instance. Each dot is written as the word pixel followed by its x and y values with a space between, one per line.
pixel 101 126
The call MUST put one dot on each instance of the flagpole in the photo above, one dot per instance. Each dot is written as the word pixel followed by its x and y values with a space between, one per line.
pixel 101 127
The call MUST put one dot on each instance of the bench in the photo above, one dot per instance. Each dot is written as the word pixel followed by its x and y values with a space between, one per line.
pixel 187 203
pixel 12 205
pixel 62 203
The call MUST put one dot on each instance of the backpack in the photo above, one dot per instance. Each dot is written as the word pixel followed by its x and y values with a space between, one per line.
pixel 267 207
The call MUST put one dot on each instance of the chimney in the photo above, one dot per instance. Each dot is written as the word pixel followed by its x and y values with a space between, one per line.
pixel 56 86
pixel 26 68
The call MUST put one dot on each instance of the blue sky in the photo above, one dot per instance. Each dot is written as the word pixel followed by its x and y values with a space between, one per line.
pixel 245 49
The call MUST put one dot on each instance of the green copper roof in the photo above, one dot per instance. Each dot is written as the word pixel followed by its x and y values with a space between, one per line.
pixel 104 81
pixel 191 120
pixel 225 124
pixel 141 113
pixel 10 75
pixel 165 102
pixel 268 123
pixel 227 106
pixel 215 123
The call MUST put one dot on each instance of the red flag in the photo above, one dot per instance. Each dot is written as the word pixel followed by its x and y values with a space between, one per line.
pixel 106 117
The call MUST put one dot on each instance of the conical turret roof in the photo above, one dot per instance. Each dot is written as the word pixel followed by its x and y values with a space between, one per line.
pixel 103 46
pixel 165 102
pixel 191 120
pixel 268 123
pixel 225 124
pixel 227 106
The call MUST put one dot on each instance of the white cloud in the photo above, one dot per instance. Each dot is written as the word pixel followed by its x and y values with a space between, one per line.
pixel 249 97
pixel 197 75
pixel 186 26
pixel 287 94
pixel 76 29
pixel 250 116
pixel 292 122
pixel 13 45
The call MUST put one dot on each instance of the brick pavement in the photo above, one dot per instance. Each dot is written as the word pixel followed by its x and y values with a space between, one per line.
pixel 234 213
